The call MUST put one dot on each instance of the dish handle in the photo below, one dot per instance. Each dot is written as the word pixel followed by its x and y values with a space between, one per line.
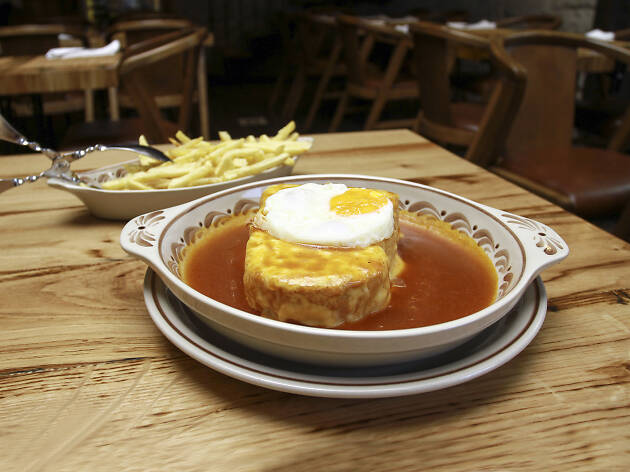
pixel 140 236
pixel 542 245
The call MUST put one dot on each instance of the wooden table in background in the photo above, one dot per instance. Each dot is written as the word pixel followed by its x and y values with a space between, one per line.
pixel 87 382
pixel 29 75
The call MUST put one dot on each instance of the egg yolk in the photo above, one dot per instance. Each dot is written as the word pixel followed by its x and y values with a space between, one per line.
pixel 358 201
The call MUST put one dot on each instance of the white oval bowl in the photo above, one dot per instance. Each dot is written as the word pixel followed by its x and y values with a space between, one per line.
pixel 519 248
pixel 126 204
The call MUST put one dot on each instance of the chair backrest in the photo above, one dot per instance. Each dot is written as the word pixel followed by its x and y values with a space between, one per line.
pixel 350 31
pixel 133 15
pixel 46 11
pixel 438 16
pixel 452 15
pixel 622 34
pixel 545 117
pixel 142 57
pixel 435 49
pixel 158 79
pixel 359 37
pixel 26 40
pixel 316 35
pixel 531 22
pixel 134 31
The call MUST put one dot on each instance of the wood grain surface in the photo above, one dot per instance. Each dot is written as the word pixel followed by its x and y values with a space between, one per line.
pixel 36 74
pixel 87 382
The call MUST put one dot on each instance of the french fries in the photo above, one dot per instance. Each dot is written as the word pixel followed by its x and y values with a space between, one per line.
pixel 198 162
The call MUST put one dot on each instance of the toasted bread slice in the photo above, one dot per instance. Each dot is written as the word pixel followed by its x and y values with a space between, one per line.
pixel 318 286
pixel 315 286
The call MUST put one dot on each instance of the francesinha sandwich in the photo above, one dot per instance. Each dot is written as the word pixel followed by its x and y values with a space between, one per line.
pixel 322 255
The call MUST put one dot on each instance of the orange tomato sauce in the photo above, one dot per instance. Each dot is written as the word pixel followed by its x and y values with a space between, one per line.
pixel 444 278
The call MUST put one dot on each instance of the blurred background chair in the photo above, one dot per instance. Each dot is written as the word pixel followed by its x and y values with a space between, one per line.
pixel 318 54
pixel 159 80
pixel 445 117
pixel 47 12
pixel 138 27
pixel 439 16
pixel 124 15
pixel 531 141
pixel 531 22
pixel 603 98
pixel 622 35
pixel 33 39
pixel 370 79
pixel 287 27
pixel 137 60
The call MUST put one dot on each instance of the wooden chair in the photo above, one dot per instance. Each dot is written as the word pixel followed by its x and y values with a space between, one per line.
pixel 315 52
pixel 287 28
pixel 137 59
pixel 162 84
pixel 442 119
pixel 622 34
pixel 622 228
pixel 368 81
pixel 136 15
pixel 452 15
pixel 531 22
pixel 136 30
pixel 603 98
pixel 37 39
pixel 437 16
pixel 47 11
pixel 529 139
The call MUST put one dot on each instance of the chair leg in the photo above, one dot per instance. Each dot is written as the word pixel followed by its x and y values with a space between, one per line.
pixel 295 94
pixel 622 227
pixel 375 112
pixel 323 85
pixel 620 138
pixel 278 87
pixel 202 95
pixel 416 124
pixel 89 105
pixel 339 113
pixel 317 100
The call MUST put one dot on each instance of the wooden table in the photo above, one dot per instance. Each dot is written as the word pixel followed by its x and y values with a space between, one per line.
pixel 87 382
pixel 28 75
pixel 22 75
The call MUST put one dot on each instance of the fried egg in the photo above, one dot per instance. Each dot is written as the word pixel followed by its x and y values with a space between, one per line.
pixel 327 215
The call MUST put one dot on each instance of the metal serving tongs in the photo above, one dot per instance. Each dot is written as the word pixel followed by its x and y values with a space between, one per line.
pixel 60 167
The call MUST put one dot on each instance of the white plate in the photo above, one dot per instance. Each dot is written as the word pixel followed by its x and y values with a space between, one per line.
pixel 487 351
pixel 519 248
pixel 126 204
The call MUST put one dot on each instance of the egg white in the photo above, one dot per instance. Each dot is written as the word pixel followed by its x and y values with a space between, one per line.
pixel 302 215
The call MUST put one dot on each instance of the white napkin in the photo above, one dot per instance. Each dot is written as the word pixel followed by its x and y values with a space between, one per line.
pixel 482 24
pixel 73 52
pixel 601 35
pixel 402 28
